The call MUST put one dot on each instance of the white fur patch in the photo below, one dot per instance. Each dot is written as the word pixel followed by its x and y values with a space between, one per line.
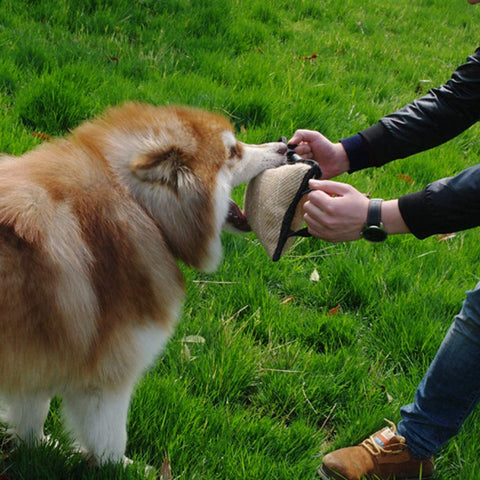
pixel 151 341
pixel 221 201
pixel 75 295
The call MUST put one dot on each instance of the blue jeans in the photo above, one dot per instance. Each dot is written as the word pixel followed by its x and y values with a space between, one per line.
pixel 450 389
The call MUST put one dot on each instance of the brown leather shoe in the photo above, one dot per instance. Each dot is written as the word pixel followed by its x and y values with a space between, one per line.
pixel 382 456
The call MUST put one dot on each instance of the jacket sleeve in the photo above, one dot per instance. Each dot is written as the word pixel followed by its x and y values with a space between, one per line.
pixel 447 205
pixel 425 123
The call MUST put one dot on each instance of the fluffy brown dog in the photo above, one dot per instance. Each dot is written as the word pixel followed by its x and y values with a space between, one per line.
pixel 91 228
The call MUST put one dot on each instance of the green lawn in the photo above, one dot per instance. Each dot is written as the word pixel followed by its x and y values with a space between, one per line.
pixel 268 368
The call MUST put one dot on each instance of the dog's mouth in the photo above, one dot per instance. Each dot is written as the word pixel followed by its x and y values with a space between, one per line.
pixel 237 218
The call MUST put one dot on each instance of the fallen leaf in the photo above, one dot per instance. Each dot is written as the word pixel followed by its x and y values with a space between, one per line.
pixel 334 310
pixel 193 339
pixel 389 397
pixel 420 86
pixel 311 57
pixel 287 300
pixel 445 236
pixel 405 178
pixel 166 470
pixel 42 136
pixel 186 352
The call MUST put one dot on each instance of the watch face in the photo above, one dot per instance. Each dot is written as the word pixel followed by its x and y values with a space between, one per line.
pixel 374 233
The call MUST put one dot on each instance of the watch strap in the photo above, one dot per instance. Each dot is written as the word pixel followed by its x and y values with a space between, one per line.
pixel 374 215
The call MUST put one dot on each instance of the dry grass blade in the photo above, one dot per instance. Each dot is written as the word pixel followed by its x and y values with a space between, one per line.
pixel 166 470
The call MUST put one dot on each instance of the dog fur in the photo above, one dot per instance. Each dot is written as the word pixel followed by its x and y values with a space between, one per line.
pixel 91 229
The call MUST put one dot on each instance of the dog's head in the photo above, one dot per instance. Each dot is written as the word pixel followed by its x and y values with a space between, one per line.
pixel 181 165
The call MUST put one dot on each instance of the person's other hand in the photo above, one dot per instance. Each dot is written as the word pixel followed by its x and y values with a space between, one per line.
pixel 331 157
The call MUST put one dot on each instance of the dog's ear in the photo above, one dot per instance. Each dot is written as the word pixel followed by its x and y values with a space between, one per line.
pixel 169 167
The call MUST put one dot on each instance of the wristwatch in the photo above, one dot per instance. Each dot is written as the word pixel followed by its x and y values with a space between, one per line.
pixel 373 230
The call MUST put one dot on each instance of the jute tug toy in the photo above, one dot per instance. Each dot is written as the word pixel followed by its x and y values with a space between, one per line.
pixel 274 200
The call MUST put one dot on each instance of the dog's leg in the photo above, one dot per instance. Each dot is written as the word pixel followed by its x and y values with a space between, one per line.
pixel 26 415
pixel 98 420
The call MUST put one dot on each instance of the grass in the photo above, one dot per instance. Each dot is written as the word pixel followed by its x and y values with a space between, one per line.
pixel 268 369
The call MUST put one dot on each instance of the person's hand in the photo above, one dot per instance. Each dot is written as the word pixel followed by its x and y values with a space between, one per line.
pixel 331 157
pixel 335 212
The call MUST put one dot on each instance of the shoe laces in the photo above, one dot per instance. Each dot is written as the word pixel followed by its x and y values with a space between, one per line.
pixel 373 446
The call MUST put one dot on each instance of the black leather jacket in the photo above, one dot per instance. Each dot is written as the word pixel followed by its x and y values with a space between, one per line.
pixel 447 205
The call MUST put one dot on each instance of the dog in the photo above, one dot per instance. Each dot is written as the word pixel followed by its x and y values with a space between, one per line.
pixel 92 228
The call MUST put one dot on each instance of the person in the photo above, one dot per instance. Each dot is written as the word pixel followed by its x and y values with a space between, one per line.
pixel 337 212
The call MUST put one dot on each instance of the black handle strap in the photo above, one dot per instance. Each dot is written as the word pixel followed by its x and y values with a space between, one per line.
pixel 286 232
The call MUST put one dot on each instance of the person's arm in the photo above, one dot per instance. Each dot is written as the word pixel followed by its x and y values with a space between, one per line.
pixel 337 212
pixel 448 205
pixel 427 122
